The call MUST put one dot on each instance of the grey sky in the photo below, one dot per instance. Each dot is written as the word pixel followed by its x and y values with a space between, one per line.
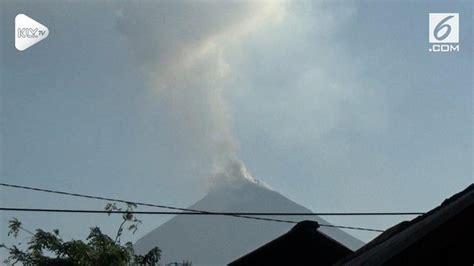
pixel 338 106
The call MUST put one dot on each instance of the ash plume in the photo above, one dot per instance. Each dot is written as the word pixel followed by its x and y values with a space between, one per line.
pixel 180 47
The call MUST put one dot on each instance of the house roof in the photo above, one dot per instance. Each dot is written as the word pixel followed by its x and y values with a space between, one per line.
pixel 405 234
pixel 303 244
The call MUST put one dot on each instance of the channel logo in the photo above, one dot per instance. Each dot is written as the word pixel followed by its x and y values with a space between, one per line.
pixel 444 32
pixel 28 32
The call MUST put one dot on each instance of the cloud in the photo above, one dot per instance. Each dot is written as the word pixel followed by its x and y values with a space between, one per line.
pixel 301 84
pixel 180 48
pixel 283 58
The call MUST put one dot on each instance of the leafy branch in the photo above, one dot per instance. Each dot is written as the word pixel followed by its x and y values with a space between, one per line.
pixel 48 248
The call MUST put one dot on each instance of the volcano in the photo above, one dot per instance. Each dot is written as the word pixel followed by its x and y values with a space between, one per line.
pixel 218 240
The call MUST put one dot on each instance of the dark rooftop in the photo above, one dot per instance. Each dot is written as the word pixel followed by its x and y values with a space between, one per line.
pixel 400 237
pixel 302 245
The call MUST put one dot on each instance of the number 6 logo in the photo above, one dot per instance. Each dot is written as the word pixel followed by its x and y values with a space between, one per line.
pixel 441 25
pixel 444 27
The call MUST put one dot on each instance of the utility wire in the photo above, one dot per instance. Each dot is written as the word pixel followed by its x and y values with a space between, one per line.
pixel 170 212
pixel 137 212
pixel 210 212
pixel 353 228
pixel 133 202
pixel 188 211
pixel 236 214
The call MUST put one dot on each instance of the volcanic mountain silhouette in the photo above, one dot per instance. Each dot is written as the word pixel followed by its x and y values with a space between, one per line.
pixel 217 240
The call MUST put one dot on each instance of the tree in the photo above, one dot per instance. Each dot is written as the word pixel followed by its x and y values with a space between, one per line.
pixel 49 249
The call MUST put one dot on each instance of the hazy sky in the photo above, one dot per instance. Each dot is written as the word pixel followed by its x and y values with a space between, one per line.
pixel 338 106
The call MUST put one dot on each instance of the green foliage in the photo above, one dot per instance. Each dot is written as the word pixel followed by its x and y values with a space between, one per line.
pixel 49 249
pixel 14 225
pixel 127 216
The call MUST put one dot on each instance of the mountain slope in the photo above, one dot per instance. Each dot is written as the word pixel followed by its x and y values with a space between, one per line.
pixel 217 240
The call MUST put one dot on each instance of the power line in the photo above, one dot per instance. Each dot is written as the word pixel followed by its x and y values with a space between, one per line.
pixel 236 214
pixel 96 197
pixel 183 213
pixel 194 211
pixel 136 212
pixel 210 212
pixel 134 202
pixel 353 228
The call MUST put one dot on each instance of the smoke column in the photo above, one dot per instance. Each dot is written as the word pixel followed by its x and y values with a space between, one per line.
pixel 180 47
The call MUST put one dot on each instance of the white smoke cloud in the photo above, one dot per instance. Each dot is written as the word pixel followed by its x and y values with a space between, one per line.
pixel 232 173
pixel 180 47
pixel 191 51
pixel 304 83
